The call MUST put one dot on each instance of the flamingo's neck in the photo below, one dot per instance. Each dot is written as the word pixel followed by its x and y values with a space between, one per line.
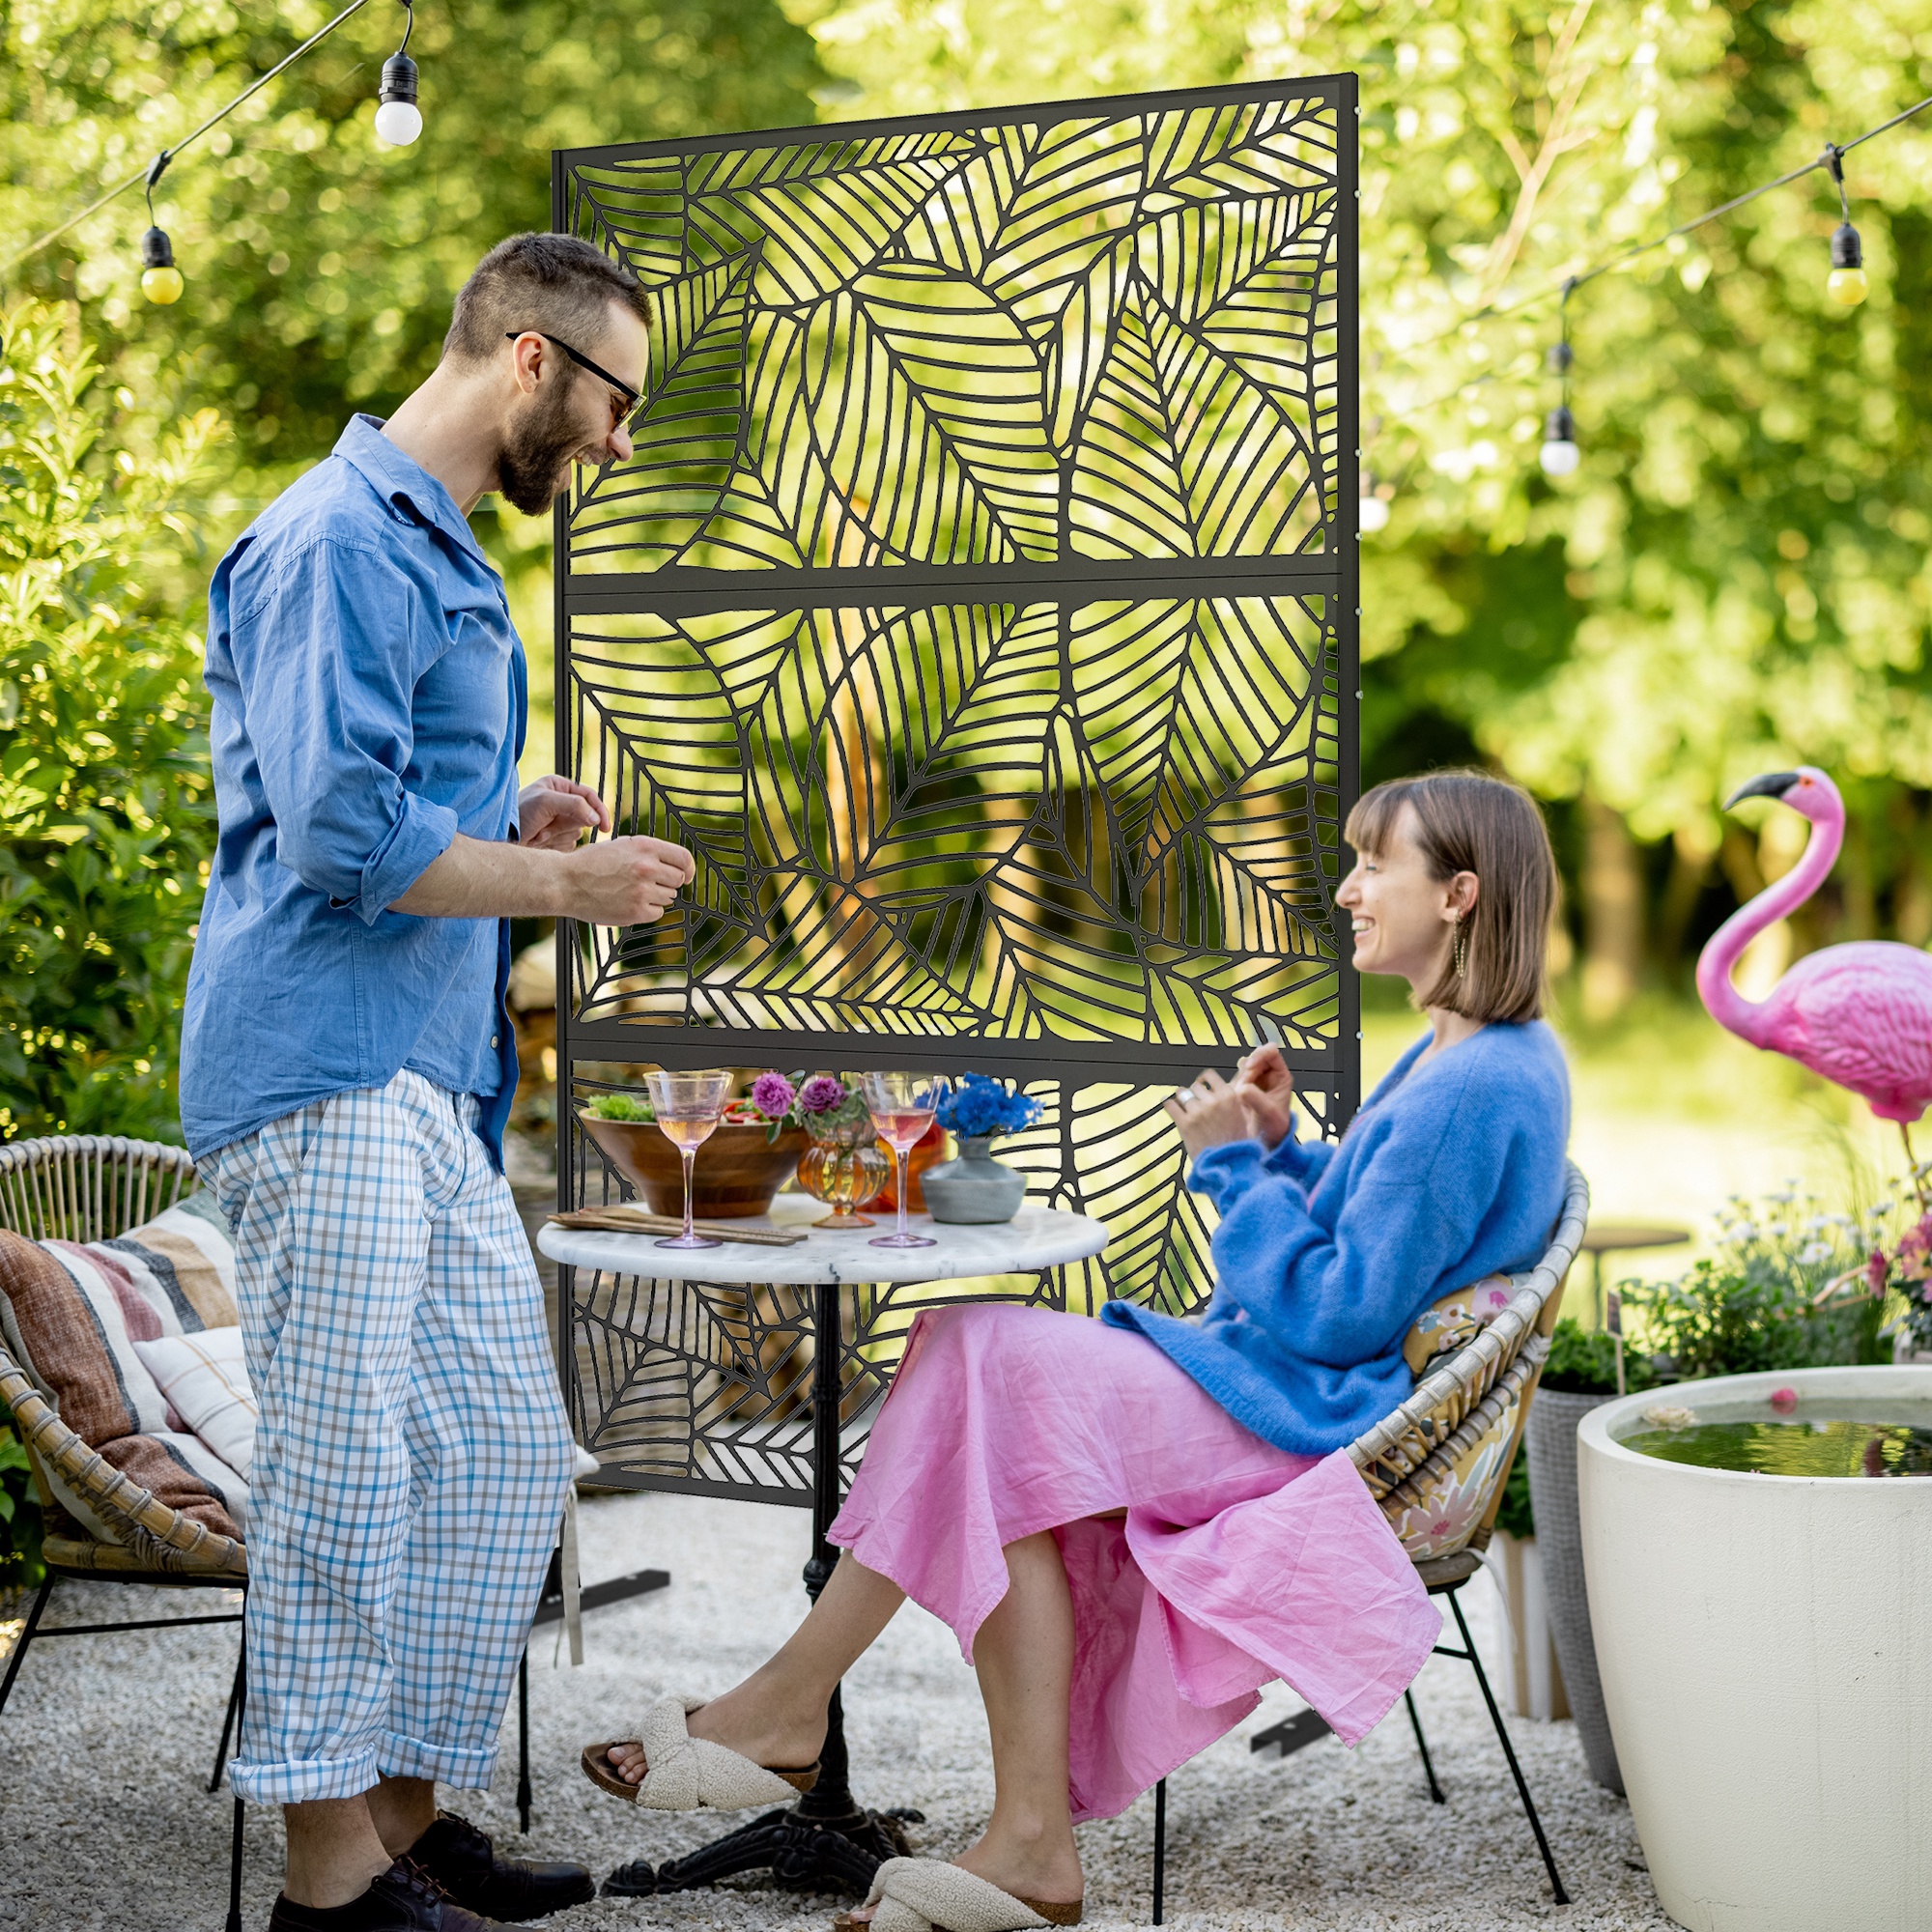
pixel 1725 1003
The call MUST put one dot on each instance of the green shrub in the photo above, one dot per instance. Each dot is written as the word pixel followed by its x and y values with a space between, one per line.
pixel 1755 1304
pixel 1583 1362
pixel 105 802
pixel 20 1516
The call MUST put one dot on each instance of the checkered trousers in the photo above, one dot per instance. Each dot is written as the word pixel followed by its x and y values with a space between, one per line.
pixel 412 1453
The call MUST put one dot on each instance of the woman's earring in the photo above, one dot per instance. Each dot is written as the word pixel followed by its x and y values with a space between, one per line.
pixel 1461 947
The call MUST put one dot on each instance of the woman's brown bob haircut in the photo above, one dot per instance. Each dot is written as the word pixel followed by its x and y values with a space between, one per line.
pixel 1470 822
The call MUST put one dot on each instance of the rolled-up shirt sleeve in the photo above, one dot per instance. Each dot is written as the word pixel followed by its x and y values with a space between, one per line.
pixel 328 656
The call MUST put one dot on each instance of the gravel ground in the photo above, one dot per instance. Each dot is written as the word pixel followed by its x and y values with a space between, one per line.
pixel 105 1825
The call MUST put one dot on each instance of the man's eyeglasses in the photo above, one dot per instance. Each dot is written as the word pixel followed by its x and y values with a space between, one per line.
pixel 631 398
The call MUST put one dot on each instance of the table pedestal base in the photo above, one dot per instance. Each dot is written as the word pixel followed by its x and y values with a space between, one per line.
pixel 803 1853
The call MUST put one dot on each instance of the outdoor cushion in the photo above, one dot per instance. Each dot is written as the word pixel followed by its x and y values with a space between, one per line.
pixel 1437 1515
pixel 1454 1320
pixel 205 1379
pixel 71 1314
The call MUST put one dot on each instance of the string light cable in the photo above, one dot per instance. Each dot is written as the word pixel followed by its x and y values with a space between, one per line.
pixel 1560 453
pixel 398 102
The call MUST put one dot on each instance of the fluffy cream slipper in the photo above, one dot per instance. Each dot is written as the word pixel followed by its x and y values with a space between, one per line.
pixel 926 1895
pixel 688 1774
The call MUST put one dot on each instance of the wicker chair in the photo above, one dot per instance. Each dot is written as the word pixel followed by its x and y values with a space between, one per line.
pixel 88 1187
pixel 1483 1389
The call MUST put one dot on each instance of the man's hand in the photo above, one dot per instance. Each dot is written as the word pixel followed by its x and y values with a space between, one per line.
pixel 615 882
pixel 624 881
pixel 554 813
pixel 1266 1089
pixel 1208 1114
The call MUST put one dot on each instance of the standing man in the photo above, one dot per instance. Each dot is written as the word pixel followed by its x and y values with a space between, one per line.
pixel 346 1070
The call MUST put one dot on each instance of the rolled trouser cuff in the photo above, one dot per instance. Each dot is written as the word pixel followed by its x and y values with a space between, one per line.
pixel 469 1770
pixel 298 1780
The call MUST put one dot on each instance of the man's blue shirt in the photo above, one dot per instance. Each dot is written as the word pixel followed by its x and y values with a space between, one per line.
pixel 369 704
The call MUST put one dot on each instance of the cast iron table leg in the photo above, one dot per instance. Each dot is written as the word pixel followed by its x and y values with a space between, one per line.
pixel 827 1841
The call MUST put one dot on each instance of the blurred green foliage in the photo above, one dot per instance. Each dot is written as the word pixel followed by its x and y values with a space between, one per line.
pixel 1583 1362
pixel 20 1516
pixel 1736 579
pixel 106 819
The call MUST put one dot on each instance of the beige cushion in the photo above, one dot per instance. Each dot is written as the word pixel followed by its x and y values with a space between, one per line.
pixel 205 1379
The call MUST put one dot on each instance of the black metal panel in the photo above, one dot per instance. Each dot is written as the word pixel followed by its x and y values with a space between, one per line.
pixel 979 606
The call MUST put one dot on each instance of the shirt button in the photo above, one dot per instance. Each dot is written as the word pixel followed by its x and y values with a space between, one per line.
pixel 494 1037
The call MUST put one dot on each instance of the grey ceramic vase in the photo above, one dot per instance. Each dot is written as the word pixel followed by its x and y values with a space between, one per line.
pixel 973 1188
pixel 1551 1442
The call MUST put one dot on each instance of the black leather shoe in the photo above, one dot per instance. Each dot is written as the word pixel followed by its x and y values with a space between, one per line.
pixel 405 1898
pixel 462 1859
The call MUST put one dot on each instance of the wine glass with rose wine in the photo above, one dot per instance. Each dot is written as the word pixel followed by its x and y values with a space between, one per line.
pixel 902 1106
pixel 688 1106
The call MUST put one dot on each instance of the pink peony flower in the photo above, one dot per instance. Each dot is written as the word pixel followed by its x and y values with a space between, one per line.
pixel 1784 1400
pixel 1878 1271
pixel 772 1093
pixel 820 1094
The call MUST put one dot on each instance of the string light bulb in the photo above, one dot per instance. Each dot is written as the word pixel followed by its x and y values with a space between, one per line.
pixel 160 280
pixel 1846 285
pixel 398 118
pixel 1559 455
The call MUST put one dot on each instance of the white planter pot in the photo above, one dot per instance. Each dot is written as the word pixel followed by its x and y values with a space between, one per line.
pixel 1766 1650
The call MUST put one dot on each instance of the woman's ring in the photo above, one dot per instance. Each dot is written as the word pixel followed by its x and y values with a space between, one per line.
pixel 1184 1095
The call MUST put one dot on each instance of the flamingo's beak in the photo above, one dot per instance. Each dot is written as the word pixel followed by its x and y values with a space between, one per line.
pixel 1772 785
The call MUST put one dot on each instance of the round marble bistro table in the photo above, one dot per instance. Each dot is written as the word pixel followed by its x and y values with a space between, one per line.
pixel 827 1841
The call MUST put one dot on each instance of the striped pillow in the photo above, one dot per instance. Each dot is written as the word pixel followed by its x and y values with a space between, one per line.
pixel 71 1314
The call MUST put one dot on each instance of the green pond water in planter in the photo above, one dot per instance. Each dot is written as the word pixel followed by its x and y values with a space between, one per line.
pixel 1822 1438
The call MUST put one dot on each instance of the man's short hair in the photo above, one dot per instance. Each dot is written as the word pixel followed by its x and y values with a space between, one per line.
pixel 554 284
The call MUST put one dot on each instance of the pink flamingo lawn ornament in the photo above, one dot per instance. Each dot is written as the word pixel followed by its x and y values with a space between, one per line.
pixel 1859 1014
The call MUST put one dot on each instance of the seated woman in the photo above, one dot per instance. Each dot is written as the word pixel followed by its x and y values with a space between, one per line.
pixel 1133 1524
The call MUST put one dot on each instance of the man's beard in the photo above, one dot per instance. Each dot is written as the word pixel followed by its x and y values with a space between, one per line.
pixel 535 466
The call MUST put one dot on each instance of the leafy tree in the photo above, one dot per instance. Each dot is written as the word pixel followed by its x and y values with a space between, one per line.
pixel 1736 578
pixel 106 820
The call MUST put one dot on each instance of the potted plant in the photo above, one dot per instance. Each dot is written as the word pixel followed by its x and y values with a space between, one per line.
pixel 1746 1631
pixel 975 1187
pixel 1580 1373
pixel 753 1151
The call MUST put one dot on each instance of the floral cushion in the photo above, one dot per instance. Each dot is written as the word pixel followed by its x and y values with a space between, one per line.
pixel 1437 1515
pixel 1454 1320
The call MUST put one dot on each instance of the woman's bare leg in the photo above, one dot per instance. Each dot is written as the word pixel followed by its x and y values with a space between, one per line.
pixel 1024 1654
pixel 777 1715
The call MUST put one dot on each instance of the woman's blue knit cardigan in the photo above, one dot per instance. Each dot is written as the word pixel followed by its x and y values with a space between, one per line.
pixel 1327 1251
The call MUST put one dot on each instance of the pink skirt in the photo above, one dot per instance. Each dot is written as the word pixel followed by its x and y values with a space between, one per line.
pixel 1236 1563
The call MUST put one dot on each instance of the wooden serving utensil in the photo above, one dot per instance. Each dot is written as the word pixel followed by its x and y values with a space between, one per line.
pixel 622 1219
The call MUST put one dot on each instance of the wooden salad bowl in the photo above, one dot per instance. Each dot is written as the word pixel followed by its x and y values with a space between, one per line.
pixel 735 1176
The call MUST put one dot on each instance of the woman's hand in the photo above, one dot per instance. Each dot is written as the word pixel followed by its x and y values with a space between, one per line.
pixel 1208 1114
pixel 1266 1089
pixel 554 813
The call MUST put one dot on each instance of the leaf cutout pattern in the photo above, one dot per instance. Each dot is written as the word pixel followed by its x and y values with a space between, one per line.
pixel 883 279
pixel 978 606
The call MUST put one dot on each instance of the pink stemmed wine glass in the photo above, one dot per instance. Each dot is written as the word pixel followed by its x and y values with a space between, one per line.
pixel 688 1106
pixel 902 1106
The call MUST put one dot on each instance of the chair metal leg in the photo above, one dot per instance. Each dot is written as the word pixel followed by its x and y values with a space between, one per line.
pixel 1160 1850
pixel 523 1741
pixel 238 1700
pixel 234 1874
pixel 227 1728
pixel 27 1630
pixel 1422 1745
pixel 1515 1770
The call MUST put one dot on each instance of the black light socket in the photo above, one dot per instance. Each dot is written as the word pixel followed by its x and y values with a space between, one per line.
pixel 1561 426
pixel 399 80
pixel 1847 251
pixel 156 250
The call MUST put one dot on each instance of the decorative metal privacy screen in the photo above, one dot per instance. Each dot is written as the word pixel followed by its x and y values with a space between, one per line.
pixel 980 608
